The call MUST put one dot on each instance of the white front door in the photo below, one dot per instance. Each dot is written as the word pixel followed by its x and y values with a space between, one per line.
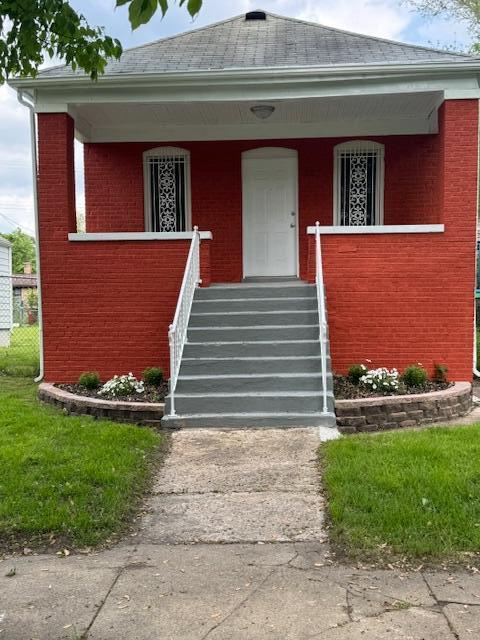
pixel 269 212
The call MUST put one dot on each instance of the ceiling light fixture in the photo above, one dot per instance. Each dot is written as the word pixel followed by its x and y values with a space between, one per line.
pixel 262 111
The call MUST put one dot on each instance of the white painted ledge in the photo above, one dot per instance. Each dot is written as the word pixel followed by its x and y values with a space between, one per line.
pixel 136 235
pixel 386 228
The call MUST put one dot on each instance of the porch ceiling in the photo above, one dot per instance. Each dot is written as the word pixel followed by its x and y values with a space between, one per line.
pixel 400 113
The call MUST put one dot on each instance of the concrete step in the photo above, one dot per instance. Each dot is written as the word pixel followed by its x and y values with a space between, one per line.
pixel 297 402
pixel 253 318
pixel 250 365
pixel 249 420
pixel 280 382
pixel 244 290
pixel 223 305
pixel 253 333
pixel 253 359
pixel 258 348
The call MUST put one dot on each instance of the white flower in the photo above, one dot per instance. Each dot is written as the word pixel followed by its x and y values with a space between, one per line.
pixel 382 378
pixel 123 385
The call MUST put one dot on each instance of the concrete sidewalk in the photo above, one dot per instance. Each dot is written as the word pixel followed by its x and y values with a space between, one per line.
pixel 235 592
pixel 232 547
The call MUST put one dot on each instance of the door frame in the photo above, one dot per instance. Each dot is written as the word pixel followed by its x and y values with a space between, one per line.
pixel 271 153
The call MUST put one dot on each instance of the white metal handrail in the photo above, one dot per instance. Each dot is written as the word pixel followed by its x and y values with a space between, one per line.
pixel 322 314
pixel 177 333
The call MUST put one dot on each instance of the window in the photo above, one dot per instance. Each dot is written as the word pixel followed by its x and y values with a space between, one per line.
pixel 358 183
pixel 167 189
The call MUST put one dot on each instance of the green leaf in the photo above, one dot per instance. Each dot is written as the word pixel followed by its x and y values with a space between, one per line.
pixel 194 7
pixel 163 6
pixel 140 12
pixel 120 3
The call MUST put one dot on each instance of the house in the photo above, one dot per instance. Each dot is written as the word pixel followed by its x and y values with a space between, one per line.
pixel 5 292
pixel 253 129
pixel 24 289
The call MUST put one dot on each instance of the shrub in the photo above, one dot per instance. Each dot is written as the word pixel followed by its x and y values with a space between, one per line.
pixel 415 376
pixel 382 380
pixel 120 386
pixel 441 371
pixel 355 372
pixel 89 380
pixel 153 376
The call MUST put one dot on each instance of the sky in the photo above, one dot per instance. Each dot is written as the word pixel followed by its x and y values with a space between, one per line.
pixel 391 19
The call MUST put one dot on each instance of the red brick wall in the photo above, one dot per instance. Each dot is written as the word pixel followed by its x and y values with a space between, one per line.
pixel 107 306
pixel 114 188
pixel 400 299
pixel 394 299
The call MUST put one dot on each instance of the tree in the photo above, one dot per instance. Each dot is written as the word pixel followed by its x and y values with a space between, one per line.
pixel 23 250
pixel 465 10
pixel 30 30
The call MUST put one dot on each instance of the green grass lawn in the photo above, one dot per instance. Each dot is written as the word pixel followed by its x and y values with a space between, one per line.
pixel 71 477
pixel 415 493
pixel 21 358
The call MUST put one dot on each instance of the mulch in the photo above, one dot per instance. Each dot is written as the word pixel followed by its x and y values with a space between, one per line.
pixel 343 389
pixel 151 394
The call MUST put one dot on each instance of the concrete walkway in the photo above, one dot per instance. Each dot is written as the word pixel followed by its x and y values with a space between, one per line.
pixel 177 579
pixel 238 486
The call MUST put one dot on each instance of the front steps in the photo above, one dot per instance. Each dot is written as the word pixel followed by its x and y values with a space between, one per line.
pixel 252 359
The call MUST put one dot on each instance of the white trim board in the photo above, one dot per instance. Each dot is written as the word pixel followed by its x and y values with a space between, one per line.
pixel 141 132
pixel 386 228
pixel 60 96
pixel 136 235
pixel 288 73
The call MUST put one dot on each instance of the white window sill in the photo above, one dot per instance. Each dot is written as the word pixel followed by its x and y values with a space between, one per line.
pixel 137 235
pixel 387 228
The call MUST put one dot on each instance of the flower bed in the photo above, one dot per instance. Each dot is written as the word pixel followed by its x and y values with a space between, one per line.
pixel 344 389
pixel 151 393
pixel 402 411
pixel 143 413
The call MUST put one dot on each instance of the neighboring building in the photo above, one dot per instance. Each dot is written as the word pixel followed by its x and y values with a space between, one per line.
pixel 5 292
pixel 254 129
pixel 25 301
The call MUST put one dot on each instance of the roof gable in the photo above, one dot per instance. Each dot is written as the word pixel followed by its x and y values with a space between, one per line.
pixel 275 42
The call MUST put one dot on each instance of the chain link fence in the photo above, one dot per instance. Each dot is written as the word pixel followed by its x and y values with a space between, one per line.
pixel 19 332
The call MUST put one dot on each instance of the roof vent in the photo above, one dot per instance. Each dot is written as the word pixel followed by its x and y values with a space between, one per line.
pixel 256 15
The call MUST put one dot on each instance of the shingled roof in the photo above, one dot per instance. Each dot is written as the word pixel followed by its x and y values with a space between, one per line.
pixel 270 42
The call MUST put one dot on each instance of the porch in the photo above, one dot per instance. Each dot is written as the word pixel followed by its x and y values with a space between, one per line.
pixel 388 261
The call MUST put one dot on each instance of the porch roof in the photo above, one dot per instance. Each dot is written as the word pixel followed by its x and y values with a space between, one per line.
pixel 269 42
pixel 202 85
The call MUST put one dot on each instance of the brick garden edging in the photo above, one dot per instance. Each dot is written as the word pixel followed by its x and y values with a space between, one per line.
pixel 395 412
pixel 143 413
pixel 359 415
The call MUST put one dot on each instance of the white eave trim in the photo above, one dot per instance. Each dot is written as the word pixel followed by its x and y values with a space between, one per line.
pixel 331 71
pixel 134 235
pixel 387 228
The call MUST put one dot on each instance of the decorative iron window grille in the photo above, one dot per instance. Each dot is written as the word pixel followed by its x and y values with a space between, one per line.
pixel 167 189
pixel 358 183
